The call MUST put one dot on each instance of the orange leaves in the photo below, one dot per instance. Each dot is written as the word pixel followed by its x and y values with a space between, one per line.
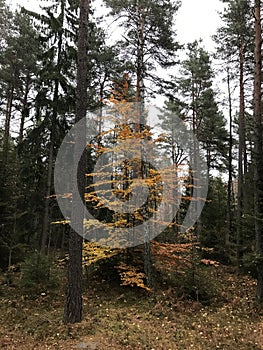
pixel 130 276
pixel 172 256
pixel 93 253
pixel 125 133
pixel 208 262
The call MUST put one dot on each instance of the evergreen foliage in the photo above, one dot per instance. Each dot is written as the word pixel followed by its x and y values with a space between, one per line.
pixel 38 273
pixel 54 68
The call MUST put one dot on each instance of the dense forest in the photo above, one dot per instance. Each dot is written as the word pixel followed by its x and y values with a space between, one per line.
pixel 116 209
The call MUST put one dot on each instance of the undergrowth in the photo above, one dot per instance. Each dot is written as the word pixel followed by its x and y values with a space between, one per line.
pixel 121 317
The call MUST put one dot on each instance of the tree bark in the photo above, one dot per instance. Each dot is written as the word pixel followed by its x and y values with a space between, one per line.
pixel 140 99
pixel 73 307
pixel 230 168
pixel 46 219
pixel 25 109
pixel 241 153
pixel 258 150
pixel 10 98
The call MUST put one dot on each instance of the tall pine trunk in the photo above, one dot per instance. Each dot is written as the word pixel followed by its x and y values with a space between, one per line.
pixel 241 155
pixel 46 218
pixel 73 307
pixel 25 109
pixel 230 167
pixel 140 100
pixel 8 115
pixel 258 155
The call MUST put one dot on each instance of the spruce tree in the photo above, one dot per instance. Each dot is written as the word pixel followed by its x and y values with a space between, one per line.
pixel 56 27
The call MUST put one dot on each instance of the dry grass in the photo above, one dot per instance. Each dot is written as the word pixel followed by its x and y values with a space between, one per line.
pixel 120 318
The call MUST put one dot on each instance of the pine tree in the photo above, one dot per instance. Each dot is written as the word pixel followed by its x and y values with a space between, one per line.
pixel 149 37
pixel 258 149
pixel 73 307
pixel 173 143
pixel 230 199
pixel 6 23
pixel 198 99
pixel 235 45
pixel 18 70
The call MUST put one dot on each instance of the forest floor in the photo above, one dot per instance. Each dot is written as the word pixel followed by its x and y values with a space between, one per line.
pixel 120 318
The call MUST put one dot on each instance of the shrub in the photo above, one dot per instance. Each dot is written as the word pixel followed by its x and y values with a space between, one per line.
pixel 250 261
pixel 38 272
pixel 195 285
pixel 202 287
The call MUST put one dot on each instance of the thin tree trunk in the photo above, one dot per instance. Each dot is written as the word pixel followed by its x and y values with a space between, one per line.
pixel 174 182
pixel 46 219
pixel 9 106
pixel 25 110
pixel 142 123
pixel 230 168
pixel 100 118
pixel 194 156
pixel 73 307
pixel 258 156
pixel 241 152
